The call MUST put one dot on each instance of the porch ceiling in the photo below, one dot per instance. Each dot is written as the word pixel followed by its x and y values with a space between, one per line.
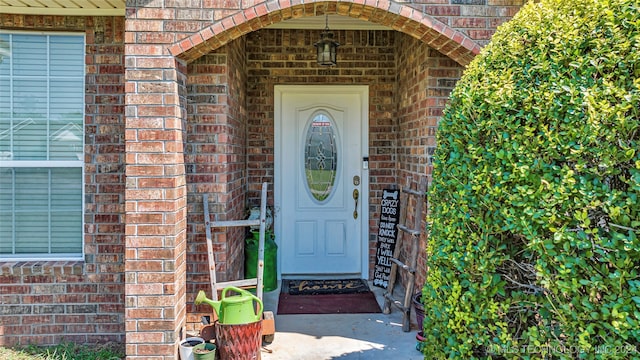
pixel 64 7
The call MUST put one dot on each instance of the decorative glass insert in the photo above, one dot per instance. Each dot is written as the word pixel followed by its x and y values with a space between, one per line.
pixel 320 157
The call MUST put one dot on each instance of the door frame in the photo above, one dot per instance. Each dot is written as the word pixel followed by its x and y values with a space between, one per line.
pixel 278 192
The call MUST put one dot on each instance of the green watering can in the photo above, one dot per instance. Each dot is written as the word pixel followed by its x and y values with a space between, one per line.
pixel 234 310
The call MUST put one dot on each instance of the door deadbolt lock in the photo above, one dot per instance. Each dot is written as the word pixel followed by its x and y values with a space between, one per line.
pixel 356 180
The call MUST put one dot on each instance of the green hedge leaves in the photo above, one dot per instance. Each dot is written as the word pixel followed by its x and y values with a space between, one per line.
pixel 535 211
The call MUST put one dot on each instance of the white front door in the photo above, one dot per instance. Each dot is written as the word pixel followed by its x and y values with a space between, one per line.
pixel 321 186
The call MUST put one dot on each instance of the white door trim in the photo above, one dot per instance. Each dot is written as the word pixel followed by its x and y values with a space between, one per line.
pixel 363 91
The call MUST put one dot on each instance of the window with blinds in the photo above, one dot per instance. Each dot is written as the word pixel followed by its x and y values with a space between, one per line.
pixel 41 145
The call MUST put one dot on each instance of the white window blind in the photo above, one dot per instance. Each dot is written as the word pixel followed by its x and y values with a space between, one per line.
pixel 41 145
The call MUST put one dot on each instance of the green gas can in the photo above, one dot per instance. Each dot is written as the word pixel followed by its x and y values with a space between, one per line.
pixel 270 275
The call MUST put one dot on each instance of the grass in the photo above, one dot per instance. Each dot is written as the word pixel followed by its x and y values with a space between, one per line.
pixel 65 351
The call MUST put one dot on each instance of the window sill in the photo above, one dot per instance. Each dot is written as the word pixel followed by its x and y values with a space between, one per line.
pixel 41 267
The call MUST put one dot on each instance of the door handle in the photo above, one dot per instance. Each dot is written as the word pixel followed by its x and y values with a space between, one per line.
pixel 356 195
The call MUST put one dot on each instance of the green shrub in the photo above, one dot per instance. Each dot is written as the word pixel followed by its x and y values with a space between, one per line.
pixel 535 209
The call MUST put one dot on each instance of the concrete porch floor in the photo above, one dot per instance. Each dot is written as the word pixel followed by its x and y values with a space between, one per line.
pixel 343 336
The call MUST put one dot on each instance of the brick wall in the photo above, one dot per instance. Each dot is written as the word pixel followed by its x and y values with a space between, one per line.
pixel 237 156
pixel 155 196
pixel 50 302
pixel 216 165
pixel 425 80
pixel 478 19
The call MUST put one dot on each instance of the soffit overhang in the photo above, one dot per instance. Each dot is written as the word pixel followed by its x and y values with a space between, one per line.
pixel 64 7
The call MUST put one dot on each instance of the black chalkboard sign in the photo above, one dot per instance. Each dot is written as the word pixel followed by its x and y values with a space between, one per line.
pixel 387 235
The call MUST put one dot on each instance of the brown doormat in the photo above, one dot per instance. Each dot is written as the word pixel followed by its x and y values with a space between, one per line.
pixel 317 287
pixel 353 303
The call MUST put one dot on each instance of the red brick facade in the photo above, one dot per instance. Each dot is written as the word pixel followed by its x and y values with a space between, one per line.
pixel 179 102
pixel 425 80
pixel 50 302
pixel 216 164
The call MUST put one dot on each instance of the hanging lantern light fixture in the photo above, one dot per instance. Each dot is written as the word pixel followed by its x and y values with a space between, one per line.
pixel 327 47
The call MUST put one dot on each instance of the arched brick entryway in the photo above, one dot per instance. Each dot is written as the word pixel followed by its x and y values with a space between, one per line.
pixel 448 41
pixel 212 56
pixel 421 107
pixel 158 133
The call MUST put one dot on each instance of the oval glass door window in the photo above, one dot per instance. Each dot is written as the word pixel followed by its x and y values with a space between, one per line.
pixel 320 157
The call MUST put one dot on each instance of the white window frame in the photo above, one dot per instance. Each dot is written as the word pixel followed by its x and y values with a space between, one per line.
pixel 52 163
